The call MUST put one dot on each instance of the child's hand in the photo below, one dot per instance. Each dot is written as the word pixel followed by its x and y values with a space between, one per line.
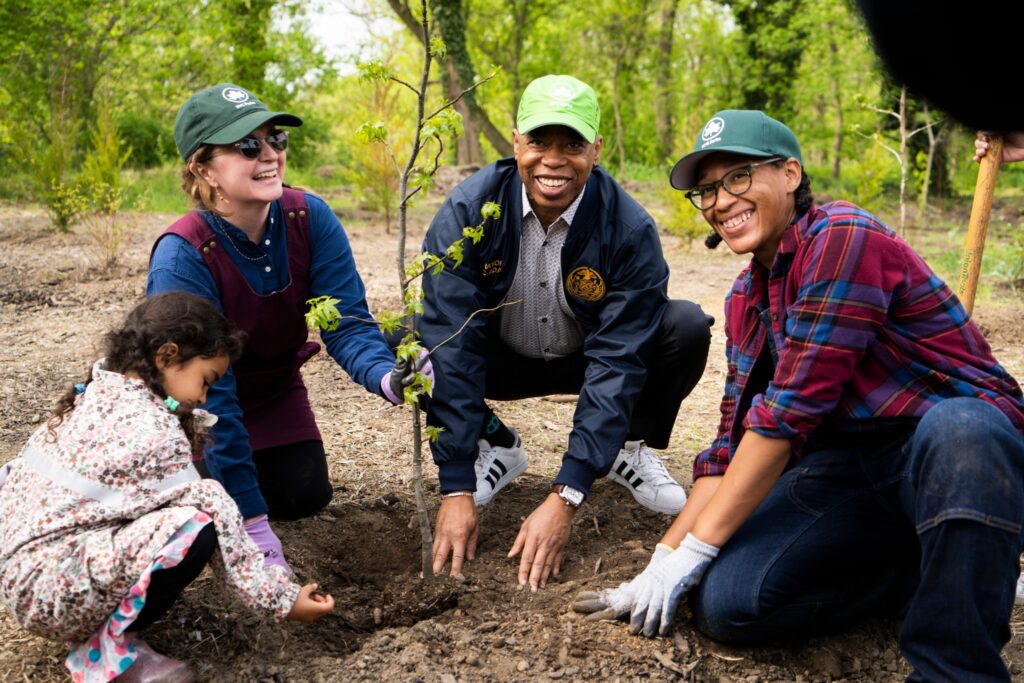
pixel 310 606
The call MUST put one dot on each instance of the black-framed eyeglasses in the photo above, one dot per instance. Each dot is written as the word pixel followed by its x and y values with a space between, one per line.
pixel 735 182
pixel 250 146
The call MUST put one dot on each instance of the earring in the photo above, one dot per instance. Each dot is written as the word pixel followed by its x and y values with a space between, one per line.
pixel 172 405
pixel 220 196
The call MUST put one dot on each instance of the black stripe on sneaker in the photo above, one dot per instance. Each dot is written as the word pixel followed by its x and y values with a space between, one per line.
pixel 495 473
pixel 628 476
pixel 636 484
pixel 489 480
pixel 622 466
pixel 500 465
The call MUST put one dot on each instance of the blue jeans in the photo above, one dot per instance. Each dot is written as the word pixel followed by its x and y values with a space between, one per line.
pixel 918 521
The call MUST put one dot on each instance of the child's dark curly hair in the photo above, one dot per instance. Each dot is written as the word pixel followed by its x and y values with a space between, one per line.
pixel 190 322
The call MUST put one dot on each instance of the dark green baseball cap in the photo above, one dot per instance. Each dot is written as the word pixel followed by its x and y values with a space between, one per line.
pixel 558 100
pixel 221 115
pixel 741 131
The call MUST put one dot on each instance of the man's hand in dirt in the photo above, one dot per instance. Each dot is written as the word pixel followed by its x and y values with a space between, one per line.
pixel 542 540
pixel 456 532
pixel 1013 146
pixel 310 605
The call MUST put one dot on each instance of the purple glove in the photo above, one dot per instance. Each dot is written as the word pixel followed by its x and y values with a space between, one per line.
pixel 270 545
pixel 393 383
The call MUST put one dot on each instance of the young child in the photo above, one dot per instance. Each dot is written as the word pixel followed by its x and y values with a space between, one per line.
pixel 104 519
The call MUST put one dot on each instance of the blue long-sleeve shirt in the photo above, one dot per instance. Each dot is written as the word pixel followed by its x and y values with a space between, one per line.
pixel 358 347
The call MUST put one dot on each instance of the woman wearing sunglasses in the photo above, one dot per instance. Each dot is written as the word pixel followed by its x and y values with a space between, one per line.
pixel 259 250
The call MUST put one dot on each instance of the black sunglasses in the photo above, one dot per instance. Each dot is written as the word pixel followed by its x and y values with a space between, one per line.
pixel 250 146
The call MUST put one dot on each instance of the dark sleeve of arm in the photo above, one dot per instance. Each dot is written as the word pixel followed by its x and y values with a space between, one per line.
pixel 358 347
pixel 459 366
pixel 617 351
pixel 177 266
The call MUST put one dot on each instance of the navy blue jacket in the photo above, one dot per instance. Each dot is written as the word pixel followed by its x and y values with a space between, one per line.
pixel 615 280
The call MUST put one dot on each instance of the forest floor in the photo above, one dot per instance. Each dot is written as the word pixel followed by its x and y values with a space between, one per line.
pixel 56 300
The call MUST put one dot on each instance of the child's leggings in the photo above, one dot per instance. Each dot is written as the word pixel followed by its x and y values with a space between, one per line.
pixel 167 584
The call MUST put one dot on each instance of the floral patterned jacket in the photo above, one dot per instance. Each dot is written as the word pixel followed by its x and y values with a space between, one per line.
pixel 84 512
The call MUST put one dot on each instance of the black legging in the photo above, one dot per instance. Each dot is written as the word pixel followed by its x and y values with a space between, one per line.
pixel 166 585
pixel 293 479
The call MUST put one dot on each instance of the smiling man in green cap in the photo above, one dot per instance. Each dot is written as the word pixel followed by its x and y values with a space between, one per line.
pixel 577 264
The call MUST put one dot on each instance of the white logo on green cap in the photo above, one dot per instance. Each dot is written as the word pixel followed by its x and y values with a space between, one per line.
pixel 712 131
pixel 235 95
pixel 561 96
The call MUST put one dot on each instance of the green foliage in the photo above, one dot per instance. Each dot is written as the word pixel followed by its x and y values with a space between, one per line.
pixel 108 227
pixel 323 313
pixel 65 203
pixel 102 167
pixel 874 167
pixel 433 433
pixel 682 218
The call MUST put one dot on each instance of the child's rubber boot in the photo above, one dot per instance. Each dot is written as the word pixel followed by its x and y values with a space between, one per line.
pixel 152 667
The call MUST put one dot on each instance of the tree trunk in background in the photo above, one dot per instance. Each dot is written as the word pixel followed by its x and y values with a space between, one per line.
pixel 457 75
pixel 467 147
pixel 455 38
pixel 664 102
pixel 248 40
pixel 837 96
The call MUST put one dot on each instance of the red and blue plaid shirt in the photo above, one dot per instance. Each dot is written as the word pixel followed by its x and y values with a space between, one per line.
pixel 863 334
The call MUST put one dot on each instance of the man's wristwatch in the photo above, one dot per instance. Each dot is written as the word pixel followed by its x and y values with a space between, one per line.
pixel 570 495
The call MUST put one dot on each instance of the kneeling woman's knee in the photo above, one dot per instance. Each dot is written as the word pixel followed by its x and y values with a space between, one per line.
pixel 722 609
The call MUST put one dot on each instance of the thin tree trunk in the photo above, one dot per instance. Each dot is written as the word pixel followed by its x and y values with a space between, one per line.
pixel 837 138
pixel 467 147
pixel 664 109
pixel 903 159
pixel 620 148
pixel 933 142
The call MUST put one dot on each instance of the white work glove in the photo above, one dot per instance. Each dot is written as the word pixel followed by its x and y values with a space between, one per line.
pixel 671 579
pixel 616 603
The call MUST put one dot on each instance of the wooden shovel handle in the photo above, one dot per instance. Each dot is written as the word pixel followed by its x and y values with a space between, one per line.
pixel 970 266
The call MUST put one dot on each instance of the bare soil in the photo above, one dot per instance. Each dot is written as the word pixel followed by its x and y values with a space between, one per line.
pixel 55 301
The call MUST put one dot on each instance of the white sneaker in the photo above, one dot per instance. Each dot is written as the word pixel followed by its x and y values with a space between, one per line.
pixel 1019 600
pixel 496 467
pixel 640 470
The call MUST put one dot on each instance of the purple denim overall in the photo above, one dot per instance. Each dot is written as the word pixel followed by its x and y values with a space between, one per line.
pixel 274 402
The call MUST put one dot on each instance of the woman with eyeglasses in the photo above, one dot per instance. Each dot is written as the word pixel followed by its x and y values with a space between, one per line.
pixel 259 250
pixel 869 458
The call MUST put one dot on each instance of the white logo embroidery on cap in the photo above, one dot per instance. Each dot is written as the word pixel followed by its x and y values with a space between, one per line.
pixel 561 96
pixel 712 131
pixel 235 95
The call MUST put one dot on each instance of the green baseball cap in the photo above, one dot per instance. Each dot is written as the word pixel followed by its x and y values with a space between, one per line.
pixel 559 101
pixel 221 115
pixel 740 131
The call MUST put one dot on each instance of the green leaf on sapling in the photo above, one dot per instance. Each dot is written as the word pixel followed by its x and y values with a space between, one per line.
pixel 491 210
pixel 372 132
pixel 474 234
pixel 433 433
pixel 438 49
pixel 374 71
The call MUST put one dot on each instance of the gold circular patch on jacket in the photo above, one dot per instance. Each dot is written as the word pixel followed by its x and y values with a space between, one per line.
pixel 585 283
